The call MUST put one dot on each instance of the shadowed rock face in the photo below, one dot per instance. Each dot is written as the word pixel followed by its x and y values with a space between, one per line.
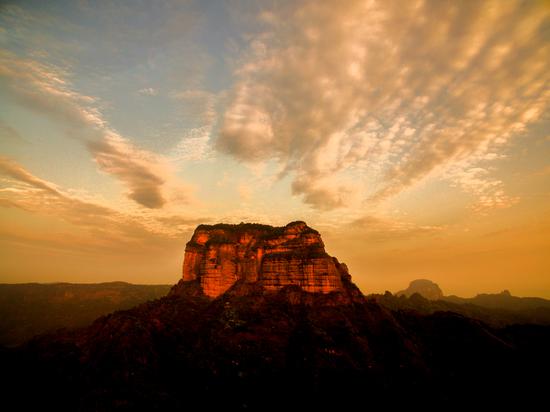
pixel 217 256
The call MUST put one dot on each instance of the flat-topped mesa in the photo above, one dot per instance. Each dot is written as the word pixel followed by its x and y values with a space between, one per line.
pixel 219 255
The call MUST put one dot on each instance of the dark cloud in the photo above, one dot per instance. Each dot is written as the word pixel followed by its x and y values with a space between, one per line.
pixel 116 158
pixel 324 198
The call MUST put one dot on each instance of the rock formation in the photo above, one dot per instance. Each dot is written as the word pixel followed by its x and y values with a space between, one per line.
pixel 219 255
pixel 423 287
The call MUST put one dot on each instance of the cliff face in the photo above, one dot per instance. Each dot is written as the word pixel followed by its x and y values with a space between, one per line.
pixel 220 255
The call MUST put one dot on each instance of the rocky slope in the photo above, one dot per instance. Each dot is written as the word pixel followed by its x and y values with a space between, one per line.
pixel 220 255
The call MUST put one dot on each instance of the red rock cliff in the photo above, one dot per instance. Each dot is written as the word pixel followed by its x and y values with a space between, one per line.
pixel 219 255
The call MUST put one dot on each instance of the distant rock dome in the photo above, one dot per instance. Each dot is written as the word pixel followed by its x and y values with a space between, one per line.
pixel 424 287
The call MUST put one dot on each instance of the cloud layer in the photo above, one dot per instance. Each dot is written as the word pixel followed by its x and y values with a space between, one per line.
pixel 97 225
pixel 391 92
pixel 46 89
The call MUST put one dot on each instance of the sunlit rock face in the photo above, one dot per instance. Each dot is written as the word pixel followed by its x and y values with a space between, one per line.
pixel 219 255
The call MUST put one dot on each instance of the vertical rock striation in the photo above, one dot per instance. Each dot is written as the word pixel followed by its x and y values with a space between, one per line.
pixel 219 255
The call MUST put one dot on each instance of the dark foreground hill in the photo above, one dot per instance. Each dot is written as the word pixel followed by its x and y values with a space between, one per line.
pixel 28 309
pixel 252 350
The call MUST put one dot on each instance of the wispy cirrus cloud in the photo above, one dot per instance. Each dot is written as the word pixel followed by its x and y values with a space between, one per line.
pixel 97 225
pixel 198 108
pixel 45 88
pixel 379 229
pixel 26 191
pixel 148 91
pixel 391 91
pixel 14 170
pixel 488 192
pixel 195 145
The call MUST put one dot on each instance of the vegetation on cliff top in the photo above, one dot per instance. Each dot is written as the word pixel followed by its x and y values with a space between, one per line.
pixel 228 233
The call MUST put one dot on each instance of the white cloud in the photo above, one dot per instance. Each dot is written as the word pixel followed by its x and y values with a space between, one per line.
pixel 195 145
pixel 399 90
pixel 199 109
pixel 148 91
pixel 489 192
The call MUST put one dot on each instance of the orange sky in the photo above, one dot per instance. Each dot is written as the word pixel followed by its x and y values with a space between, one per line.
pixel 413 135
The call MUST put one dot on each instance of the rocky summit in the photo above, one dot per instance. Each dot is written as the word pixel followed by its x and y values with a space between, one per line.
pixel 218 256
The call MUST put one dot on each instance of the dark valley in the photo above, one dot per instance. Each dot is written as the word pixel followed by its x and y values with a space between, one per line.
pixel 29 309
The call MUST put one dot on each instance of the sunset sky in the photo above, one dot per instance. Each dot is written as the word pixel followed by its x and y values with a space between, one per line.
pixel 415 136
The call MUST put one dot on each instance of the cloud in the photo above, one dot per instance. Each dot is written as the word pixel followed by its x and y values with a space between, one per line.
pixel 392 91
pixel 134 167
pixel 31 193
pixel 199 110
pixel 489 192
pixel 44 88
pixel 148 91
pixel 16 171
pixel 376 228
pixel 320 193
pixel 195 145
pixel 95 226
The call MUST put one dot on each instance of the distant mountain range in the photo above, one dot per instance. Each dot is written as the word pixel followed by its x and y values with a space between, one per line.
pixel 29 309
pixel 502 300
pixel 498 309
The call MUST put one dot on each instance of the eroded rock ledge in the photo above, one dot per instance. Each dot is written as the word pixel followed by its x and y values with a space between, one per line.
pixel 217 256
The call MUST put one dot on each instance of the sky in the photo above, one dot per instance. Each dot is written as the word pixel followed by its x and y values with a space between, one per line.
pixel 414 135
